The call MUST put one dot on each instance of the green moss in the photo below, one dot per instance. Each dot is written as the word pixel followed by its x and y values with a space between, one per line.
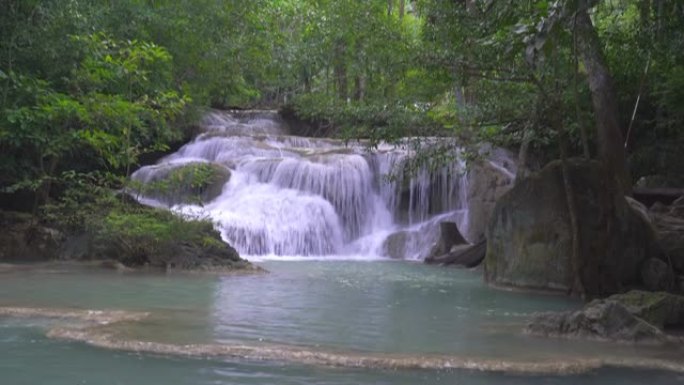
pixel 658 308
pixel 155 226
pixel 189 183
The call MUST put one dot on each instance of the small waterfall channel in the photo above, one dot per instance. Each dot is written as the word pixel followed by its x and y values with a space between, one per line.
pixel 283 196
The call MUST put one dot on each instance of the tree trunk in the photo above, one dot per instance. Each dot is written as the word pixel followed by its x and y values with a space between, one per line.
pixel 610 141
pixel 402 9
pixel 576 262
pixel 359 87
pixel 340 69
pixel 645 14
pixel 575 90
pixel 523 167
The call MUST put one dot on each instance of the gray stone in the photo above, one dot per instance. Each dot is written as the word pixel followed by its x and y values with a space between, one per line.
pixel 601 320
pixel 462 255
pixel 395 245
pixel 486 184
pixel 636 316
pixel 422 241
pixel 449 236
pixel 529 235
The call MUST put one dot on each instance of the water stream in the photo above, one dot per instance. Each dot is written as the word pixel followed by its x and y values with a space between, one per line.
pixel 290 196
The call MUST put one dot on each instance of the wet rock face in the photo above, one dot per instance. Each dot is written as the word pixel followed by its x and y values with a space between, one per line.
pixel 636 317
pixel 529 241
pixel 449 236
pixel 431 238
pixel 395 246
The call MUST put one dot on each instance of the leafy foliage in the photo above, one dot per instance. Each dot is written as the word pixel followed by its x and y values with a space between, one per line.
pixel 86 87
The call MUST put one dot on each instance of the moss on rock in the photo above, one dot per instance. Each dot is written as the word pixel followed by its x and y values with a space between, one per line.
pixel 120 230
pixel 189 183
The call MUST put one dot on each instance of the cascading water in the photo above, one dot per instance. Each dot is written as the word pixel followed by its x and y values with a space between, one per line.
pixel 294 196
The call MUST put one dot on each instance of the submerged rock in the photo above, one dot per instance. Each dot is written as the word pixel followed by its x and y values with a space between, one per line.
pixel 636 316
pixel 529 242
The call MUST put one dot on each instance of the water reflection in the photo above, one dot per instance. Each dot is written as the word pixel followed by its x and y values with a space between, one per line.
pixel 380 306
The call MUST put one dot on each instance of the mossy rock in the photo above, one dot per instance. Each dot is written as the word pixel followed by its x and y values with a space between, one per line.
pixel 599 320
pixel 636 316
pixel 187 183
pixel 657 308
pixel 148 237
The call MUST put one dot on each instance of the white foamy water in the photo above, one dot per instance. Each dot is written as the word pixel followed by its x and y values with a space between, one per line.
pixel 295 197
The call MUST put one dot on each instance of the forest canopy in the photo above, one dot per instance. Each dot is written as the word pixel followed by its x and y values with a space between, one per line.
pixel 87 87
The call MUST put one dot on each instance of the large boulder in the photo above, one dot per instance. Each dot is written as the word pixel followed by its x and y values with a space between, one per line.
pixel 487 182
pixel 669 225
pixel 530 242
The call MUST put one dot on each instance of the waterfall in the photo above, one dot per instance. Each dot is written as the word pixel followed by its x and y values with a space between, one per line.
pixel 288 196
